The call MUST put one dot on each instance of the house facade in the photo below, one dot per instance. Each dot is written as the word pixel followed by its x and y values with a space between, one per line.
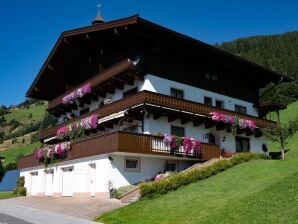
pixel 132 99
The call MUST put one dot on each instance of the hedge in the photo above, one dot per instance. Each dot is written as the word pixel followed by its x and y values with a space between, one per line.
pixel 154 188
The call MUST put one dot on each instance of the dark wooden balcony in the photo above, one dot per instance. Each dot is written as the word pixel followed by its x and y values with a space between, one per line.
pixel 111 73
pixel 144 98
pixel 128 143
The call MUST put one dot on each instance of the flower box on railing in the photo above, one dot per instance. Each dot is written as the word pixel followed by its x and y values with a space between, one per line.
pixel 177 145
pixel 233 121
pixel 77 94
pixel 77 129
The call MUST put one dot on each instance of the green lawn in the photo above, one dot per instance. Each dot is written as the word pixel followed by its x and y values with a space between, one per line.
pixel 11 154
pixel 254 192
pixel 286 115
pixel 6 195
pixel 259 191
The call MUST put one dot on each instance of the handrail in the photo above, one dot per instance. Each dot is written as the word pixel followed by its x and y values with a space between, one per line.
pixel 146 97
pixel 125 142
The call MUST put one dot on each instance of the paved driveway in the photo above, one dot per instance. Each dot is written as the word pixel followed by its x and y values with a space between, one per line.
pixel 56 210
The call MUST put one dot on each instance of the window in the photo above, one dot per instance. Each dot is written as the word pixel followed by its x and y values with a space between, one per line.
pixel 178 131
pixel 242 144
pixel 132 164
pixel 240 109
pixel 130 92
pixel 219 103
pixel 211 76
pixel 177 93
pixel 171 166
pixel 208 100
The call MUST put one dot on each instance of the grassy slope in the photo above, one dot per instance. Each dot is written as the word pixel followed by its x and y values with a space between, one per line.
pixel 12 153
pixel 254 192
pixel 21 115
pixel 286 115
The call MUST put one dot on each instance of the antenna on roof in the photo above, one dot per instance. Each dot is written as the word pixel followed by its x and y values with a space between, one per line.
pixel 98 19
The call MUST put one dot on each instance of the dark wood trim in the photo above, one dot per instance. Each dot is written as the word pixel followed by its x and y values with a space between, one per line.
pixel 122 142
pixel 145 98
pixel 95 81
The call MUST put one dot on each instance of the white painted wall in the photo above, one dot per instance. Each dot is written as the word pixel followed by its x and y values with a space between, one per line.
pixel 160 85
pixel 106 170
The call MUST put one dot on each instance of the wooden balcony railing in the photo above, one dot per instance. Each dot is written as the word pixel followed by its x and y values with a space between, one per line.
pixel 146 97
pixel 95 81
pixel 125 142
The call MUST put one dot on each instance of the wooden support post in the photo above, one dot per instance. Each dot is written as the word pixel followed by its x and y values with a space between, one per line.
pixel 282 142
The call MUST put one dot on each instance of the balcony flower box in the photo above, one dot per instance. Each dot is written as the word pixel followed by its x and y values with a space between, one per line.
pixel 77 94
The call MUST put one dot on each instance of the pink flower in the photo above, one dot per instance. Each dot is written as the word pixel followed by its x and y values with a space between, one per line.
pixel 79 93
pixel 196 145
pixel 50 152
pixel 173 144
pixel 93 121
pixel 62 132
pixel 39 153
pixel 251 125
pixel 167 139
pixel 187 144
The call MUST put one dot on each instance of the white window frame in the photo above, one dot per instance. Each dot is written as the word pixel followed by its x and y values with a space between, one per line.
pixel 137 169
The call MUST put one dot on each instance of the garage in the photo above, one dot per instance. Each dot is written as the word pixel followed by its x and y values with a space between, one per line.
pixel 49 176
pixel 92 176
pixel 34 183
pixel 67 182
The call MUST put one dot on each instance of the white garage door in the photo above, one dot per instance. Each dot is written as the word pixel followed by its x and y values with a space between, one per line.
pixel 67 181
pixel 34 183
pixel 92 179
pixel 49 175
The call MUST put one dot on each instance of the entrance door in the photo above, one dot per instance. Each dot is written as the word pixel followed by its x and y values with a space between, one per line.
pixel 67 182
pixel 49 175
pixel 34 183
pixel 92 179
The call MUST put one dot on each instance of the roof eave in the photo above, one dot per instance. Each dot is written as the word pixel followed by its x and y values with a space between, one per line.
pixel 107 25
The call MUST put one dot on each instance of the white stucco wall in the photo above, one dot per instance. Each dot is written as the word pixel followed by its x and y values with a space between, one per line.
pixel 105 171
pixel 160 85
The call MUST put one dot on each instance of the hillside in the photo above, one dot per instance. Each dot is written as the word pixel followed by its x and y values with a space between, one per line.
pixel 277 52
pixel 19 124
pixel 259 191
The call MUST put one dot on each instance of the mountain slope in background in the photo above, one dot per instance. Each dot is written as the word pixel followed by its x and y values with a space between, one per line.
pixel 277 52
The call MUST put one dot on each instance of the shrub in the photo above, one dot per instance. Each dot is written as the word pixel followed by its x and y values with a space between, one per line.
pixel 11 166
pixel 15 191
pixel 21 181
pixel 163 186
pixel 123 190
pixel 22 191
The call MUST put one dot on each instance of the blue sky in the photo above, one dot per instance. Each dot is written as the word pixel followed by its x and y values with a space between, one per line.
pixel 30 28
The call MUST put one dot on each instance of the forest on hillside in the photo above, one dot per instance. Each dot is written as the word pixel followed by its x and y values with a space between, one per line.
pixel 277 52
